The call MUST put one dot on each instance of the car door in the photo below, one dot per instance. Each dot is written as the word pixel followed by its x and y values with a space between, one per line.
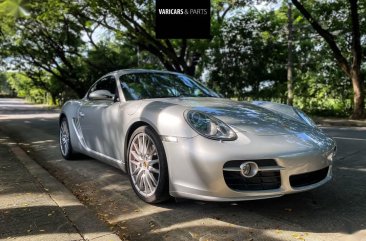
pixel 97 118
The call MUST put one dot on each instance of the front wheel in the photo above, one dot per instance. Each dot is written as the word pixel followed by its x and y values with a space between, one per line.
pixel 65 142
pixel 147 166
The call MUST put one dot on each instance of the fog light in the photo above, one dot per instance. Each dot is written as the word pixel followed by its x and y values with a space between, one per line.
pixel 248 169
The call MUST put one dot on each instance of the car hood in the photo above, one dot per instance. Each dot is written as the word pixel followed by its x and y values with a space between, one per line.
pixel 244 116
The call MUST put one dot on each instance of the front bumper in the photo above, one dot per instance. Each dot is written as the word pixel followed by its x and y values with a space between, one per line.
pixel 196 164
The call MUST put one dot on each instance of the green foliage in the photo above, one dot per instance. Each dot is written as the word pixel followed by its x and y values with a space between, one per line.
pixel 135 21
pixel 57 47
pixel 25 87
pixel 5 89
pixel 63 46
pixel 10 10
pixel 247 58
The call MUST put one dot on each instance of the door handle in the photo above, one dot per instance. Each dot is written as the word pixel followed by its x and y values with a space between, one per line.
pixel 81 114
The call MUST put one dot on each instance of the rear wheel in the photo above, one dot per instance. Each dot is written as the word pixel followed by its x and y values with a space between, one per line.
pixel 147 166
pixel 65 143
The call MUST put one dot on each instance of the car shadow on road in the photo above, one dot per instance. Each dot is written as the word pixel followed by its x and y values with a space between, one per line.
pixel 334 208
pixel 338 207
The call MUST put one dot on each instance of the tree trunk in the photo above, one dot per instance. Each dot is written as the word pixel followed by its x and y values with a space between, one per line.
pixel 53 99
pixel 191 70
pixel 358 95
pixel 290 88
pixel 351 70
pixel 355 73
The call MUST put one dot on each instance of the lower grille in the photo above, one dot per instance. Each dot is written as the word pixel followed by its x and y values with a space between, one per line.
pixel 263 180
pixel 308 178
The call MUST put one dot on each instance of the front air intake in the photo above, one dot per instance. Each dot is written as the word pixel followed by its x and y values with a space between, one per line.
pixel 267 179
pixel 308 178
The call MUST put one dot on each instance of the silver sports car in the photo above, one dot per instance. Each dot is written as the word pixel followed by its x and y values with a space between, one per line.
pixel 175 137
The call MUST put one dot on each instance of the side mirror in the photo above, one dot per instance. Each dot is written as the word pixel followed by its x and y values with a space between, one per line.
pixel 101 95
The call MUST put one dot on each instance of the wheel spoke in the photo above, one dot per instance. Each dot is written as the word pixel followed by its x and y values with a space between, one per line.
pixel 152 178
pixel 150 147
pixel 148 181
pixel 154 170
pixel 143 145
pixel 65 127
pixel 136 148
pixel 135 155
pixel 138 179
pixel 153 150
pixel 66 146
pixel 139 144
pixel 154 161
pixel 66 149
pixel 145 184
pixel 136 163
pixel 136 170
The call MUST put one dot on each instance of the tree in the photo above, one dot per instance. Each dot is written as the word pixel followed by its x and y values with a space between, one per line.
pixel 136 21
pixel 248 58
pixel 48 41
pixel 10 10
pixel 290 68
pixel 5 89
pixel 350 66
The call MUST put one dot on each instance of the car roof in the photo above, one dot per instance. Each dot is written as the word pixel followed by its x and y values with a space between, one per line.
pixel 134 71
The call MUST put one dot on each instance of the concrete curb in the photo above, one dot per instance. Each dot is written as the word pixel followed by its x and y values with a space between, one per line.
pixel 83 219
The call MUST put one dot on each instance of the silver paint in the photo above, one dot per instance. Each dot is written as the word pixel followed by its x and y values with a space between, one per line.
pixel 265 131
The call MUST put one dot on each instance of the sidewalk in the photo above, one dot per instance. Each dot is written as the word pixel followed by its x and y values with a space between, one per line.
pixel 35 206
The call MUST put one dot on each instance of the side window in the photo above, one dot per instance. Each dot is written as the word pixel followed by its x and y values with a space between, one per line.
pixel 107 84
pixel 131 87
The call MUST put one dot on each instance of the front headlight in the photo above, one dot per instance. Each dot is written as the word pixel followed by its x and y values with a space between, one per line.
pixel 209 126
pixel 306 118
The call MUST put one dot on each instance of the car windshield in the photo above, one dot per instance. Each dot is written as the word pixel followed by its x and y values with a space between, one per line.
pixel 162 85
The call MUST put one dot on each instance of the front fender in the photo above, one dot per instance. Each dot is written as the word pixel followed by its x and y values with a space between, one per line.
pixel 166 118
pixel 70 110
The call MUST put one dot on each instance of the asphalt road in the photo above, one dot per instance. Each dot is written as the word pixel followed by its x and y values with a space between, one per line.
pixel 335 211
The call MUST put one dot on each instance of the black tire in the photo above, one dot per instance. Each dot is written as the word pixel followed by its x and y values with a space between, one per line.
pixel 67 153
pixel 161 193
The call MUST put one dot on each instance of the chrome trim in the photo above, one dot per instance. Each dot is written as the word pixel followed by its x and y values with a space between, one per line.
pixel 271 168
pixel 261 169
pixel 249 169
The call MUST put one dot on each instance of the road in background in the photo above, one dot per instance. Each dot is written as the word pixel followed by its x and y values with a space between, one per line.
pixel 335 211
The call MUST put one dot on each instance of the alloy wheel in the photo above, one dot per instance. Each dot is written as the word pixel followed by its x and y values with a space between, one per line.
pixel 64 138
pixel 144 164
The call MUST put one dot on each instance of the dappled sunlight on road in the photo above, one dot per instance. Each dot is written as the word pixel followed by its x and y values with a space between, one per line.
pixel 353 169
pixel 42 117
pixel 333 212
pixel 349 138
pixel 18 109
